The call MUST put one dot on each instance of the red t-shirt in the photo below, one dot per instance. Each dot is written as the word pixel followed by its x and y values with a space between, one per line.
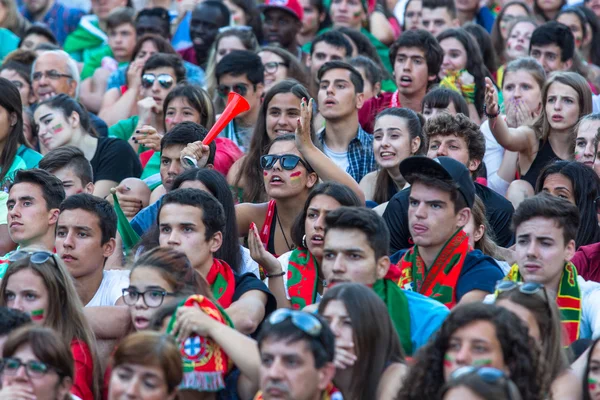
pixel 372 107
pixel 84 370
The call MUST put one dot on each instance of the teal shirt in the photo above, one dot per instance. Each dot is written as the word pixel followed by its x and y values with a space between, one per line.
pixel 31 157
pixel 8 42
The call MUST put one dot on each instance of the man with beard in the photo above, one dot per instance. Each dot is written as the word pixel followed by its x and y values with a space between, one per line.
pixel 207 18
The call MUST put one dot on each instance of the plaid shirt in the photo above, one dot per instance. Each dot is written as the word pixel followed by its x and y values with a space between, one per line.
pixel 59 19
pixel 361 159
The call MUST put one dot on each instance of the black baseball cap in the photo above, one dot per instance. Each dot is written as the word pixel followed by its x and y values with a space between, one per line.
pixel 444 168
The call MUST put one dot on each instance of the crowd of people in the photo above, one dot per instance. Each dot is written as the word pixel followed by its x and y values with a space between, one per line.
pixel 408 208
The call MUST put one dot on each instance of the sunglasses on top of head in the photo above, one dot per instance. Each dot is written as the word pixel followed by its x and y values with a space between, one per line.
pixel 287 161
pixel 165 80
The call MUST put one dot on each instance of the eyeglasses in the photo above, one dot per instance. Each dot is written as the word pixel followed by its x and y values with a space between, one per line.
pixel 165 80
pixel 152 298
pixel 33 369
pixel 491 376
pixel 52 75
pixel 287 161
pixel 239 88
pixel 304 321
pixel 272 66
pixel 36 257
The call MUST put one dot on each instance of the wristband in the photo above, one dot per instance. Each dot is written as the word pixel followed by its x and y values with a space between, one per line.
pixel 490 116
pixel 277 275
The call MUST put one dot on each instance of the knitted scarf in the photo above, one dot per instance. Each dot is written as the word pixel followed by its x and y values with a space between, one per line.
pixel 439 281
pixel 222 282
pixel 568 299
pixel 302 278
pixel 397 306
pixel 205 364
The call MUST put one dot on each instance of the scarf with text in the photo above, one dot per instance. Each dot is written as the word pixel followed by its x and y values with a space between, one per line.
pixel 302 278
pixel 222 282
pixel 568 300
pixel 439 282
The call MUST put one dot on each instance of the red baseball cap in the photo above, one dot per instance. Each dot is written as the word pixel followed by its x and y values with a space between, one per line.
pixel 292 6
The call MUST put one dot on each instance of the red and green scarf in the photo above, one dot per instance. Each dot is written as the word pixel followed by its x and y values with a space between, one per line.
pixel 439 282
pixel 331 393
pixel 397 305
pixel 205 364
pixel 302 278
pixel 568 300
pixel 222 282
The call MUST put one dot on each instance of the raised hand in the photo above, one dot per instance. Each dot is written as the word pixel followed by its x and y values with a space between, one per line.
pixel 148 136
pixel 191 320
pixel 491 97
pixel 259 254
pixel 303 131
pixel 196 151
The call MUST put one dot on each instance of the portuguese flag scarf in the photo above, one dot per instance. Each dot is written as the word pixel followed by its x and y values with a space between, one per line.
pixel 302 278
pixel 439 282
pixel 222 282
pixel 397 306
pixel 205 364
pixel 568 299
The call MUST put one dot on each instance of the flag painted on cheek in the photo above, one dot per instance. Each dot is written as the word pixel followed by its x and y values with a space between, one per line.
pixel 295 178
pixel 58 128
pixel 37 315
pixel 592 383
pixel 486 362
pixel 448 361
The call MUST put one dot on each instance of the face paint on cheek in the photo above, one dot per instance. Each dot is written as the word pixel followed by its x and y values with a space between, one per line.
pixel 37 315
pixel 56 129
pixel 265 173
pixel 168 121
pixel 295 178
pixel 357 14
pixel 486 362
pixel 592 383
pixel 448 361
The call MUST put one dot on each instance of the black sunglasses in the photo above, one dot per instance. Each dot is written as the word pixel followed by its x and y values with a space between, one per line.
pixel 165 80
pixel 287 161
pixel 304 321
pixel 239 88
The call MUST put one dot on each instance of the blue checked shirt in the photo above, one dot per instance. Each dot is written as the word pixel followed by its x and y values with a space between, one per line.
pixel 59 19
pixel 361 159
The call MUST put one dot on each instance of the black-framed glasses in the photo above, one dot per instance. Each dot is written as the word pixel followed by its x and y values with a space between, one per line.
pixel 272 66
pixel 490 376
pixel 239 88
pixel 287 161
pixel 152 298
pixel 33 368
pixel 165 80
pixel 36 257
pixel 52 74
pixel 304 321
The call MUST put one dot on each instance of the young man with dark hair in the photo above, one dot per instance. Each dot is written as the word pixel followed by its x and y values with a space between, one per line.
pixel 85 238
pixel 243 73
pixel 69 164
pixel 328 46
pixel 282 340
pixel 343 140
pixel 172 144
pixel 441 264
pixel 355 250
pixel 155 20
pixel 417 58
pixel 457 137
pixel 193 222
pixel 553 46
pixel 439 15
pixel 33 205
pixel 281 23
pixel 545 229
pixel 11 319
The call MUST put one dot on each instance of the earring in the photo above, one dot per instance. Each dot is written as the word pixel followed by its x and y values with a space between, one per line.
pixel 304 241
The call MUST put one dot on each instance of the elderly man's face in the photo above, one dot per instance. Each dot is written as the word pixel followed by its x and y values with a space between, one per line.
pixel 52 76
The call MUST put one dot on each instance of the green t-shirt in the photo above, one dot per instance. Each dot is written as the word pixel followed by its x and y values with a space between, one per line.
pixel 92 60
pixel 8 42
pixel 87 36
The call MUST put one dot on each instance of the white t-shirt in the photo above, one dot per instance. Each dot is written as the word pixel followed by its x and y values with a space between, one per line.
pixel 248 264
pixel 111 288
pixel 341 159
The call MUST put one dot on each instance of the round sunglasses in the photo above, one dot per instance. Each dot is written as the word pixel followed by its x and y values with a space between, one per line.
pixel 165 80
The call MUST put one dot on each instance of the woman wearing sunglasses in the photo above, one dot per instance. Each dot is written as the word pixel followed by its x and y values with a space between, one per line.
pixel 368 354
pixel 63 121
pixel 36 364
pixel 479 335
pixel 280 64
pixel 481 384
pixel 38 283
pixel 291 168
pixel 529 302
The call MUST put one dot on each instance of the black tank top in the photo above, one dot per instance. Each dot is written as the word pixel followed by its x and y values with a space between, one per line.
pixel 544 157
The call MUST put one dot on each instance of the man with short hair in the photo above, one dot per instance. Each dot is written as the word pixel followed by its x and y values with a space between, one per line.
pixel 60 19
pixel 417 58
pixel 553 46
pixel 328 46
pixel 311 373
pixel 207 18
pixel 34 199
pixel 193 222
pixel 545 229
pixel 243 73
pixel 85 238
pixel 10 320
pixel 343 140
pixel 68 163
pixel 155 21
pixel 439 15
pixel 355 250
pixel 441 264
pixel 457 137
pixel 281 23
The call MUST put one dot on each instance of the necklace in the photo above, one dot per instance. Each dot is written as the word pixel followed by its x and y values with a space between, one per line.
pixel 282 232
